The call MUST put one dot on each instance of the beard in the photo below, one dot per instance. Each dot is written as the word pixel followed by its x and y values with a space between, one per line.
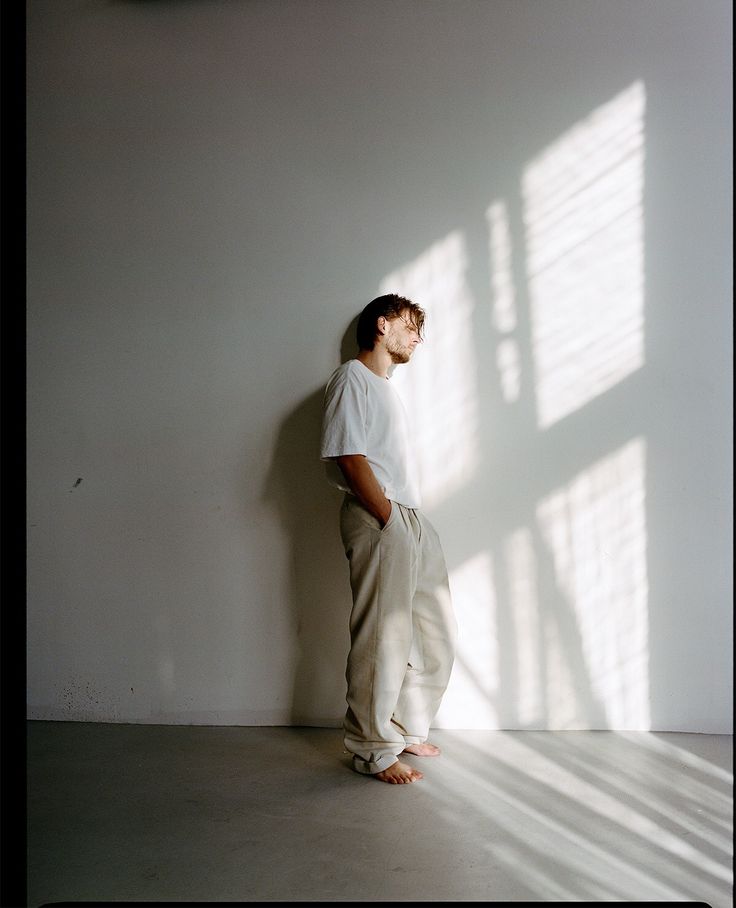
pixel 398 353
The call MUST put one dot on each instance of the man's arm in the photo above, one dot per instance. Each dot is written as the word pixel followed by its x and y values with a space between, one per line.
pixel 363 484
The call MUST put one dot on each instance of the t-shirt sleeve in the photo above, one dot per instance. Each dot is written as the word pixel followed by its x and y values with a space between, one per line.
pixel 344 417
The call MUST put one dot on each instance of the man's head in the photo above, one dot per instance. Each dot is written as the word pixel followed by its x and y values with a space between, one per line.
pixel 394 322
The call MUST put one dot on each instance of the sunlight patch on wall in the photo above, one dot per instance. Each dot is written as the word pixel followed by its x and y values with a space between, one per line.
pixel 503 295
pixel 439 386
pixel 471 695
pixel 596 533
pixel 583 217
pixel 525 617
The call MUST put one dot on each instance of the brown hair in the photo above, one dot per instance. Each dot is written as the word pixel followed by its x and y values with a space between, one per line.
pixel 390 305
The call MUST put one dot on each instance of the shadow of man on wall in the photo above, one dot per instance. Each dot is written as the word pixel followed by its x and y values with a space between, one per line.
pixel 308 508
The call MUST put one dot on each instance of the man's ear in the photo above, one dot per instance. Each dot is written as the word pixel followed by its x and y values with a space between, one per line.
pixel 381 324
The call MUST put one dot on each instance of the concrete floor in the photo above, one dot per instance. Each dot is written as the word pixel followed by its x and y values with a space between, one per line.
pixel 184 814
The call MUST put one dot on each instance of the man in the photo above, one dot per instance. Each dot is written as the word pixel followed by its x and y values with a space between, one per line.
pixel 402 629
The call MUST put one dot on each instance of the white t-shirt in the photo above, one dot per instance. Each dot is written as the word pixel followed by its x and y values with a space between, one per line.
pixel 363 414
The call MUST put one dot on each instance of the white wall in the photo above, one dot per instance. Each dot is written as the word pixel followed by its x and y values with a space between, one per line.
pixel 217 187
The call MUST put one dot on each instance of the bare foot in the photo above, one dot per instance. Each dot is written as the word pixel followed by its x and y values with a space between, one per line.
pixel 399 773
pixel 422 750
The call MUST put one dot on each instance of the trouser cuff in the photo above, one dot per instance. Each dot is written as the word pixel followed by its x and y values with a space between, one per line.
pixel 371 767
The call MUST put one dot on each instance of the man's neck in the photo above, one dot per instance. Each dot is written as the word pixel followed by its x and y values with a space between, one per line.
pixel 377 360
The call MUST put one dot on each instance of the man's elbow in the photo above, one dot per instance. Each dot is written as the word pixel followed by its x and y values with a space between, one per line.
pixel 348 460
pixel 351 465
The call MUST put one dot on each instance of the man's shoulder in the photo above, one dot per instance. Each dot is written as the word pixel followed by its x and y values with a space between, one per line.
pixel 349 371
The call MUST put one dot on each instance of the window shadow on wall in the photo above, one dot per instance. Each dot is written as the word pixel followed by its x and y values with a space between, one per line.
pixel 533 466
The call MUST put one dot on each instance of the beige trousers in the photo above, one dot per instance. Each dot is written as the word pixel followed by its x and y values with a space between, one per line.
pixel 402 632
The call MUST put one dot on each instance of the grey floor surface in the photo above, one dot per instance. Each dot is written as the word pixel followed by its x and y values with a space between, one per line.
pixel 183 814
